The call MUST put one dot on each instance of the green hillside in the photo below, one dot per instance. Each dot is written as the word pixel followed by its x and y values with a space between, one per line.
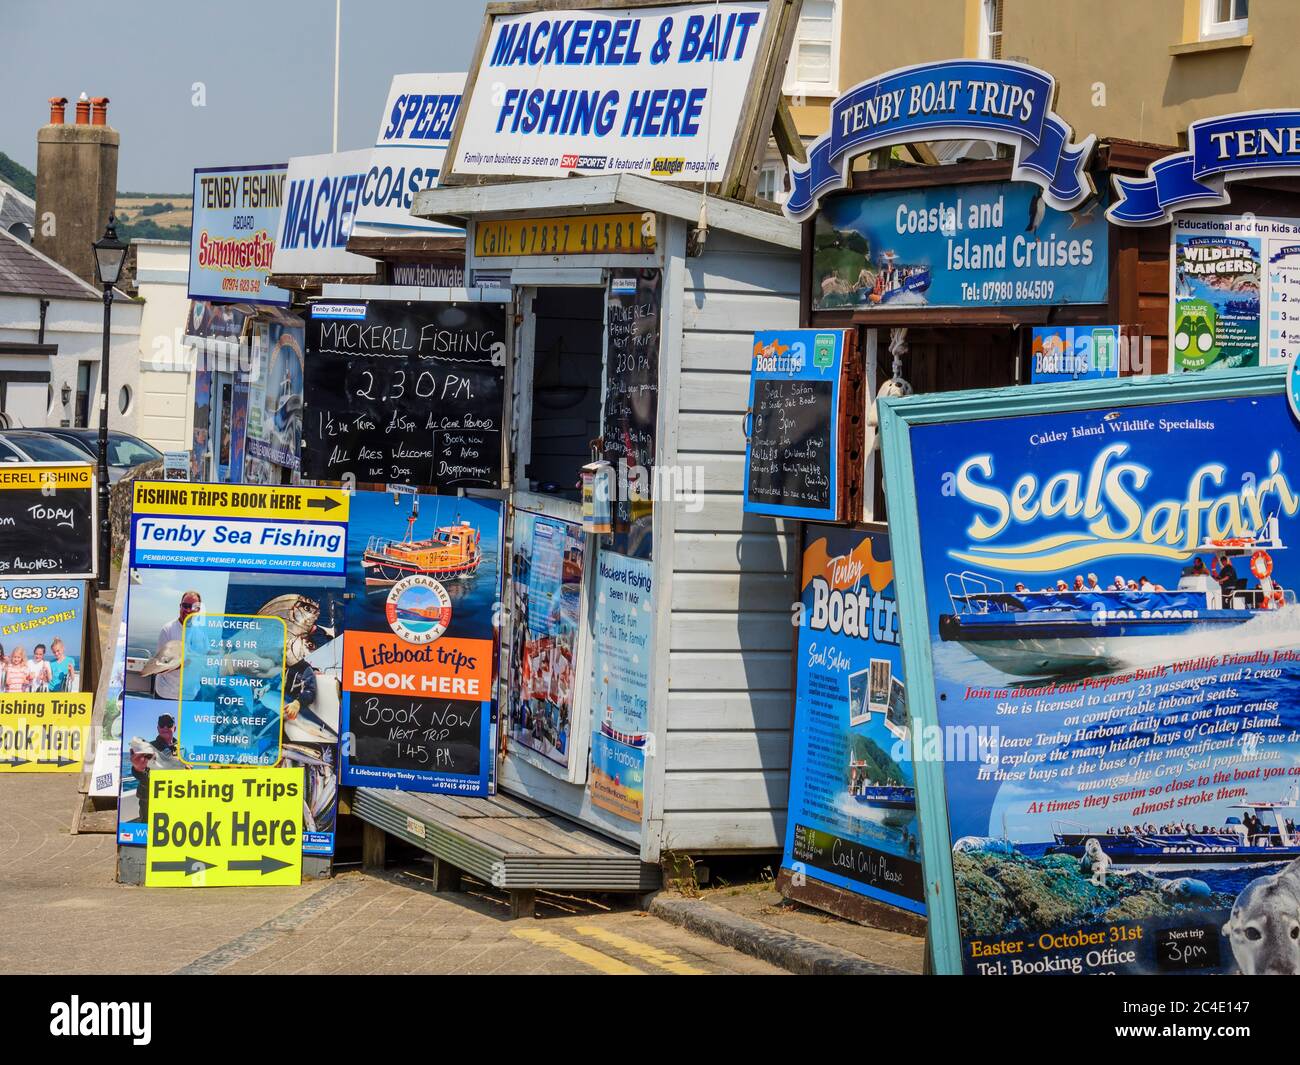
pixel 18 176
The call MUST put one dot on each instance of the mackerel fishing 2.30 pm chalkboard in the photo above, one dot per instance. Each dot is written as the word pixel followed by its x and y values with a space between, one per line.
pixel 47 520
pixel 795 436
pixel 398 392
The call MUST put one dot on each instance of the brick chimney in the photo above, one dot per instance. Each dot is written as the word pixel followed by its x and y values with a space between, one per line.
pixel 76 183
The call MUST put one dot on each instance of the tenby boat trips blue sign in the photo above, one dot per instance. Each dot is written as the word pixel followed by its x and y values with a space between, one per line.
pixel 990 99
pixel 1249 144
pixel 1097 582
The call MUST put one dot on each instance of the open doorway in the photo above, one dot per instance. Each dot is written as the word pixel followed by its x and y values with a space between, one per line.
pixel 568 345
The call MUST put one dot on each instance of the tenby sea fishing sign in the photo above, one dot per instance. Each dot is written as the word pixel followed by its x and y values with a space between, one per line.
pixel 1249 144
pixel 991 99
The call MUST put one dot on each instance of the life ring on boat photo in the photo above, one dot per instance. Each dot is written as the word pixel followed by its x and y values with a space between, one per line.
pixel 1261 564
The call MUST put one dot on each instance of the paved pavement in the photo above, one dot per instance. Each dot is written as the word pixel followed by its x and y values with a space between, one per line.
pixel 64 912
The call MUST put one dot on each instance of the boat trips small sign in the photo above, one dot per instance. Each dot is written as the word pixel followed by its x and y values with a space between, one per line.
pixel 986 99
pixel 1111 623
pixel 852 821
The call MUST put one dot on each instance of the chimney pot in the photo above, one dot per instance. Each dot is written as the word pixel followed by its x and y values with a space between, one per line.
pixel 99 110
pixel 83 110
pixel 57 104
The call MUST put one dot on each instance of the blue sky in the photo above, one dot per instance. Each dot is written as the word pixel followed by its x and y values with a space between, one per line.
pixel 267 66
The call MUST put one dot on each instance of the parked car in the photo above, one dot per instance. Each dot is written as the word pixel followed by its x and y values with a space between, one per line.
pixel 124 450
pixel 33 445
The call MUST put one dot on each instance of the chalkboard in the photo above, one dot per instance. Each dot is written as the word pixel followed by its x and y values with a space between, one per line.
pixel 421 735
pixel 631 408
pixel 405 393
pixel 47 520
pixel 799 409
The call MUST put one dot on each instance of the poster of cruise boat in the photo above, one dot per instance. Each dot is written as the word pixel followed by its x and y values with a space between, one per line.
pixel 1111 595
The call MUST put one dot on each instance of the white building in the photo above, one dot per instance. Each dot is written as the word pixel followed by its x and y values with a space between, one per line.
pixel 166 400
pixel 51 339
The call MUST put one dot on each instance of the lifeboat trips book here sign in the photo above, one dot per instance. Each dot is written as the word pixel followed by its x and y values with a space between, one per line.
pixel 405 393
pixel 1105 601
pixel 423 578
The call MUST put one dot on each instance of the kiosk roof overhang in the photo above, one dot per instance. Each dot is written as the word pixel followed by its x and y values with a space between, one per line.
pixel 458 204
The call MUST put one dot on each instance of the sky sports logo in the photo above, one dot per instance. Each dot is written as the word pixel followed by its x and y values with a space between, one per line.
pixel 133 1020
pixel 583 162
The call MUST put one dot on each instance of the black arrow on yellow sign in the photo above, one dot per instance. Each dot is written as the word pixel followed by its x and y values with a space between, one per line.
pixel 15 761
pixel 60 761
pixel 327 503
pixel 265 864
pixel 189 866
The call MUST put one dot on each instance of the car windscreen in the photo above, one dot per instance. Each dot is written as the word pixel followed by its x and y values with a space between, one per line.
pixel 127 451
pixel 50 449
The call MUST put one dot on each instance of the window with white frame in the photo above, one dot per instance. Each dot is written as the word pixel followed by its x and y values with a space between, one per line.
pixel 1224 18
pixel 813 69
pixel 771 182
pixel 991 29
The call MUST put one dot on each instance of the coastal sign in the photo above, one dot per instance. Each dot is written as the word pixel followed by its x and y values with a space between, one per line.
pixel 1098 588
pixel 237 828
pixel 995 244
pixel 419 675
pixel 1236 147
pixel 232 240
pixel 656 91
pixel 410 393
pixel 408 156
pixel 988 99
pixel 322 195
pixel 47 520
pixel 1235 282
pixel 236 609
pixel 852 824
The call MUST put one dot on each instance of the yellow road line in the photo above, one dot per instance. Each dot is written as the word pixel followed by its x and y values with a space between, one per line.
pixel 644 951
pixel 603 962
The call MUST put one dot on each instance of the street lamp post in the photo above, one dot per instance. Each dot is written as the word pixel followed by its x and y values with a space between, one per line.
pixel 110 253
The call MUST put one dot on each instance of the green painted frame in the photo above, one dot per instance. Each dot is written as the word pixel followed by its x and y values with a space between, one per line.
pixel 897 416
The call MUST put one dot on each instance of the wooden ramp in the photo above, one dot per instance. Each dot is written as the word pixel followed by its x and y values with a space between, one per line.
pixel 503 841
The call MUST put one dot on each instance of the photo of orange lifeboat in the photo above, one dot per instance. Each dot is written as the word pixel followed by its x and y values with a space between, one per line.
pixel 452 553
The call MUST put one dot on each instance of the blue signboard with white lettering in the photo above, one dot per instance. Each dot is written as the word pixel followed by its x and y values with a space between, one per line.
pixel 988 99
pixel 996 244
pixel 321 199
pixel 409 153
pixel 1220 149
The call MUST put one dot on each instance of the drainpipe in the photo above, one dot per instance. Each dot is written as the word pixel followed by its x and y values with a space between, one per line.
pixel 40 335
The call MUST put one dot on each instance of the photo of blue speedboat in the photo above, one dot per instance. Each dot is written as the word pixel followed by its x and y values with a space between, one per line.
pixel 1244 840
pixel 886 797
pixel 1092 629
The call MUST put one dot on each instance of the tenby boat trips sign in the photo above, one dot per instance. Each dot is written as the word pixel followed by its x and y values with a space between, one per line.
pixel 1249 144
pixel 996 100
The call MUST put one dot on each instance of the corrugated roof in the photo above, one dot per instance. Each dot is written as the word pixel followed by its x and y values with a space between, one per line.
pixel 26 272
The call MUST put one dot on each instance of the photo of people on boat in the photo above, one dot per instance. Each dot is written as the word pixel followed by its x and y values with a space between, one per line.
pixel 1128 625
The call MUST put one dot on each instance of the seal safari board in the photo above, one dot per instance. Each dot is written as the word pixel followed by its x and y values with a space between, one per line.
pixel 1102 643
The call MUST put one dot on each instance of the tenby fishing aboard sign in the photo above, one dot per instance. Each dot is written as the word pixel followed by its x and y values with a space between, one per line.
pixel 1097 585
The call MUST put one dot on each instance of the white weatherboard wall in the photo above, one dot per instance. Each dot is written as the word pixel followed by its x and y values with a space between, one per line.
pixel 726 751
pixel 165 404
